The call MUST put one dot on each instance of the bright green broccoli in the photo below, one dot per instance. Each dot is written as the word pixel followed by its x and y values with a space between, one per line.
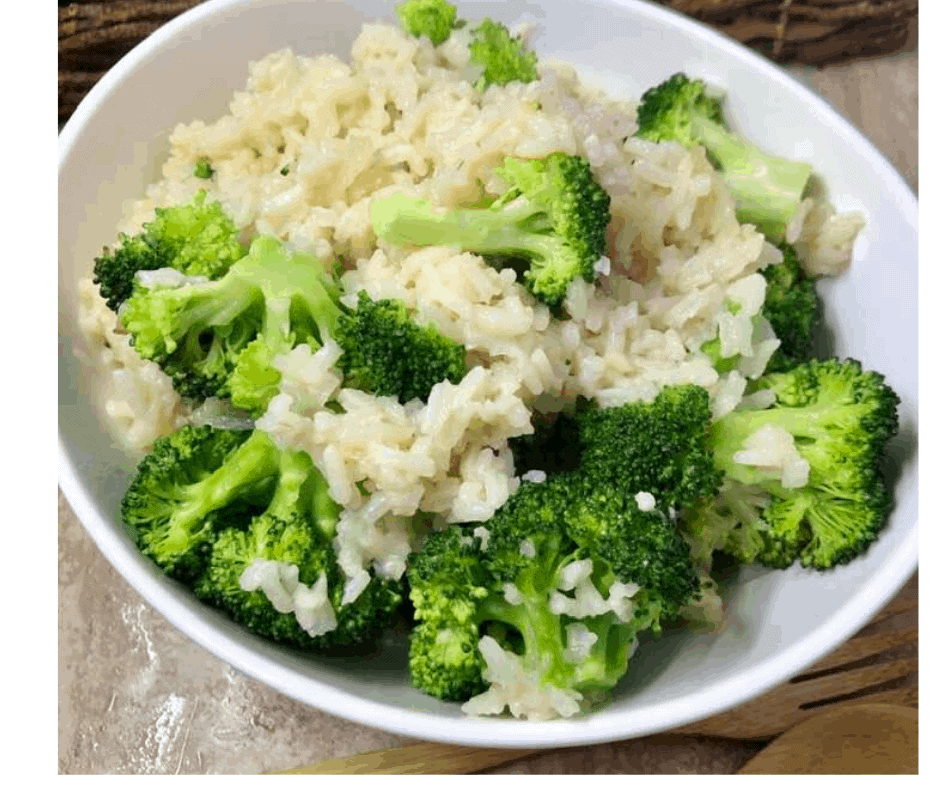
pixel 432 18
pixel 220 338
pixel 502 56
pixel 572 557
pixel 203 168
pixel 767 189
pixel 792 308
pixel 207 504
pixel 196 239
pixel 554 217
pixel 841 418
pixel 194 483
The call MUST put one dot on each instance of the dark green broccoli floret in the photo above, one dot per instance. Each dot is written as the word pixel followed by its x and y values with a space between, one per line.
pixel 553 447
pixel 841 419
pixel 767 189
pixel 519 575
pixel 662 447
pixel 432 18
pixel 207 503
pixel 554 217
pixel 203 168
pixel 502 56
pixel 196 239
pixel 387 353
pixel 220 338
pixel 791 306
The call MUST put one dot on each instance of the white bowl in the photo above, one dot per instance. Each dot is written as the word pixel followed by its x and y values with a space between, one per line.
pixel 783 621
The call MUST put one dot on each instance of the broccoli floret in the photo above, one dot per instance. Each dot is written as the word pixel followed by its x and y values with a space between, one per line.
pixel 554 217
pixel 502 56
pixel 549 540
pixel 192 484
pixel 220 338
pixel 841 418
pixel 207 503
pixel 432 18
pixel 198 331
pixel 580 531
pixel 767 189
pixel 553 447
pixel 196 239
pixel 662 448
pixel 792 308
pixel 203 168
pixel 295 530
pixel 387 353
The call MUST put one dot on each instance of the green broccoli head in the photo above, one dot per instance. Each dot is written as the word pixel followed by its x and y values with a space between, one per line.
pixel 792 308
pixel 196 239
pixel 841 419
pixel 221 338
pixel 641 547
pixel 668 111
pixel 387 353
pixel 432 18
pixel 502 56
pixel 202 333
pixel 551 579
pixel 207 504
pixel 553 217
pixel 661 448
pixel 191 485
pixel 447 583
pixel 767 189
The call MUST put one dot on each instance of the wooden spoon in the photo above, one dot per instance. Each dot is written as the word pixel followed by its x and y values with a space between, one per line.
pixel 874 738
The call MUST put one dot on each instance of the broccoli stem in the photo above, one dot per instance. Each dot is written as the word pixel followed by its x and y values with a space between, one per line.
pixel 811 422
pixel 287 281
pixel 411 222
pixel 767 189
pixel 217 303
pixel 301 486
pixel 542 633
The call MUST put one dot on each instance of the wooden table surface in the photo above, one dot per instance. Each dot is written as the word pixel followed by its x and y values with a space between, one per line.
pixel 137 697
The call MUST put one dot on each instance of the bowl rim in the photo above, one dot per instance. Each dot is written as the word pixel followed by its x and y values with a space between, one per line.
pixel 591 729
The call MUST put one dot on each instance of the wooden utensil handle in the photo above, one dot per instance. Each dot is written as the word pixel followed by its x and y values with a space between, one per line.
pixel 423 758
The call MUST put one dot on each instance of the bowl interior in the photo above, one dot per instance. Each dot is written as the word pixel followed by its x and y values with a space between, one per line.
pixel 781 621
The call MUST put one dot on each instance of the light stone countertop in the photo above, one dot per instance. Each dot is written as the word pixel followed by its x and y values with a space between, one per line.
pixel 138 697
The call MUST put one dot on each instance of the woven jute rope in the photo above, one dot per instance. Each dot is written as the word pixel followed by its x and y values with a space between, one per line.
pixel 93 36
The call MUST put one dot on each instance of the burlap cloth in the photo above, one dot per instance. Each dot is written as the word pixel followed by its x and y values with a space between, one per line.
pixel 94 35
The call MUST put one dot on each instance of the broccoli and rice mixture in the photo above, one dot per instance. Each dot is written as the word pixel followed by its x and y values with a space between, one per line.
pixel 445 323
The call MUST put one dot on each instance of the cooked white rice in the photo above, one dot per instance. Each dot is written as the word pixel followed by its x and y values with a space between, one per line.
pixel 403 116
